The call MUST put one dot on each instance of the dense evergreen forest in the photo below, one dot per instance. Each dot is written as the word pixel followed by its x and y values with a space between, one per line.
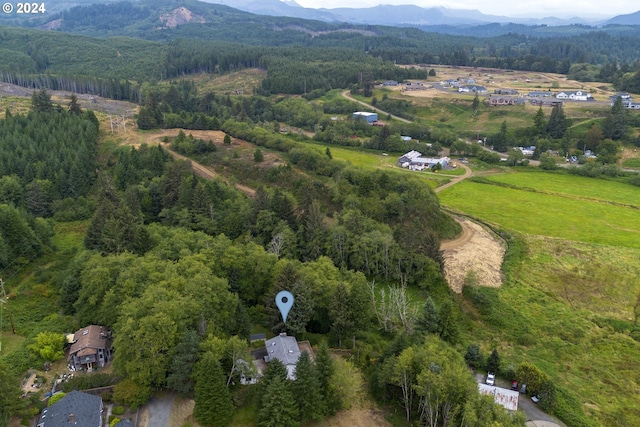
pixel 323 55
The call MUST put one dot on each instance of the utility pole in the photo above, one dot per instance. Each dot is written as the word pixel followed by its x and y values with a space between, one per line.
pixel 5 300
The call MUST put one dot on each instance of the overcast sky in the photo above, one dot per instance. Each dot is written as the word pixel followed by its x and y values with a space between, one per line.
pixel 514 8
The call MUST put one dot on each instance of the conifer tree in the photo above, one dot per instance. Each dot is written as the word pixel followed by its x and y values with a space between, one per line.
pixel 539 122
pixel 278 408
pixel 184 356
pixel 325 369
pixel 307 390
pixel 428 322
pixel 213 404
pixel 614 125
pixel 557 125
pixel 41 101
pixel 493 362
pixel 74 106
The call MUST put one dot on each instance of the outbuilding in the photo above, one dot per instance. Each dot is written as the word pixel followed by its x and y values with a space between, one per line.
pixel 369 117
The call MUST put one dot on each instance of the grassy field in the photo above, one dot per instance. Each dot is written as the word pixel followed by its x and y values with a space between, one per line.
pixel 375 160
pixel 568 311
pixel 552 215
pixel 571 185
pixel 569 305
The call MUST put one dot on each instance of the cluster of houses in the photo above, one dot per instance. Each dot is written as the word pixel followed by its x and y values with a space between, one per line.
pixel 91 348
pixel 627 101
pixel 413 160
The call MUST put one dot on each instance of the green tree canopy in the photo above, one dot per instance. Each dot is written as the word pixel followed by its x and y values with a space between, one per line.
pixel 213 404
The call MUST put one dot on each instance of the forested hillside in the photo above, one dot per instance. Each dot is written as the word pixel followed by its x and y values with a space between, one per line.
pixel 115 67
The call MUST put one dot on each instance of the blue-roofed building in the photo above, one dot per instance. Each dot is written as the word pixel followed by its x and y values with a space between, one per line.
pixel 369 117
pixel 76 408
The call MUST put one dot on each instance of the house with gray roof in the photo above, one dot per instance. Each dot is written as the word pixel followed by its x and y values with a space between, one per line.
pixel 285 349
pixel 76 408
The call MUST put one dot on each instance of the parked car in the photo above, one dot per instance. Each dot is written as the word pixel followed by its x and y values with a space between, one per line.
pixel 491 378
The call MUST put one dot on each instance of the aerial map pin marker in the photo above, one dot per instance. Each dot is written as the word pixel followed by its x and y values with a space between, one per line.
pixel 284 301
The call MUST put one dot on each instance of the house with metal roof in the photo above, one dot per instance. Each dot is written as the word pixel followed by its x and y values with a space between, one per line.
pixel 369 117
pixel 76 408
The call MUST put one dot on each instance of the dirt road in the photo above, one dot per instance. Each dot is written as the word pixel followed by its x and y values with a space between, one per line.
pixel 157 137
pixel 350 98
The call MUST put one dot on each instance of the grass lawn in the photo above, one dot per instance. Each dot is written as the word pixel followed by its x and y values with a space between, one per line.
pixel 375 160
pixel 548 215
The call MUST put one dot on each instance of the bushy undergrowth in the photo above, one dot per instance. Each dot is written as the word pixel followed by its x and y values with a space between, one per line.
pixel 85 382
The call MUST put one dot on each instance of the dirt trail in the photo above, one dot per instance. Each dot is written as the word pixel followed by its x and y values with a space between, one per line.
pixel 154 138
pixel 476 251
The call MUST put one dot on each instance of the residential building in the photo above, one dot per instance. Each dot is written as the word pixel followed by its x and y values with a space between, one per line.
pixel 91 348
pixel 413 160
pixel 575 96
pixel 76 408
pixel 288 350
pixel 505 91
pixel 473 88
pixel 541 94
pixel 504 100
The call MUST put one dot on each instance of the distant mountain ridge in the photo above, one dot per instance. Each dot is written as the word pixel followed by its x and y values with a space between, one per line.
pixel 399 15
pixel 138 17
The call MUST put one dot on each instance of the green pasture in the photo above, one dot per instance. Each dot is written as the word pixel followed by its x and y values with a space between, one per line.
pixel 548 215
pixel 375 160
pixel 572 185
pixel 586 360
pixel 576 300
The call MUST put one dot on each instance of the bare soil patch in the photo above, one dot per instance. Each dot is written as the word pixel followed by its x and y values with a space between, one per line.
pixel 182 413
pixel 476 250
pixel 357 417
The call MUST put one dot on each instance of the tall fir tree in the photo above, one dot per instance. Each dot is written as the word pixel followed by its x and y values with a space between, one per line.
pixel 278 408
pixel 307 390
pixel 183 359
pixel 614 125
pixel 539 123
pixel 74 105
pixel 493 362
pixel 325 368
pixel 558 124
pixel 428 321
pixel 213 403
pixel 41 101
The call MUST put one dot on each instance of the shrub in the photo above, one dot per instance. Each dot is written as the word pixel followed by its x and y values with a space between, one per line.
pixel 118 410
pixel 131 394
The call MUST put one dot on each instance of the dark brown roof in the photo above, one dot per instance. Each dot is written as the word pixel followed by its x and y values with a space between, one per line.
pixel 90 337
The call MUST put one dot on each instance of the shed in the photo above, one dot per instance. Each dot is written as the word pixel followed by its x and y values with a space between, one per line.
pixel 369 117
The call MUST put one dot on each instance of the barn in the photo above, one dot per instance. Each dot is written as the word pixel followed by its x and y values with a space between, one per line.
pixel 369 117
